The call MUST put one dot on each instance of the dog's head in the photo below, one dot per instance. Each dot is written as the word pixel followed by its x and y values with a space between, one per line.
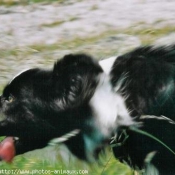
pixel 39 105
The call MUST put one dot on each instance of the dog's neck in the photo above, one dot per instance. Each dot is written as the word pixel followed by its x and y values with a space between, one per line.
pixel 109 107
pixel 107 64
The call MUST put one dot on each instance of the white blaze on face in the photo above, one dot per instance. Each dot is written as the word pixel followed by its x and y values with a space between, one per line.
pixel 107 64
pixel 109 108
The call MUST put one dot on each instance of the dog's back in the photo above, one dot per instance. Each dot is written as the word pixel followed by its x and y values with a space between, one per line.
pixel 146 79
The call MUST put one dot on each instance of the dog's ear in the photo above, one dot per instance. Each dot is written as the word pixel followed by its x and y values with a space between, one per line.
pixel 75 79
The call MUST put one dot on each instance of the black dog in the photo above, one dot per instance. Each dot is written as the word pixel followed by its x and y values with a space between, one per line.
pixel 76 94
pixel 147 82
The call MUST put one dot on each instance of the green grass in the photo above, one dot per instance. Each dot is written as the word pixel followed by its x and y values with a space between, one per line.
pixel 107 165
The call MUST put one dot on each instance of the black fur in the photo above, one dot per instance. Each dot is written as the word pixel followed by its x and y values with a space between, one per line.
pixel 148 83
pixel 40 105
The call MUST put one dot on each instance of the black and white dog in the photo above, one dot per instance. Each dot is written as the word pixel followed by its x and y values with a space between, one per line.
pixel 75 96
pixel 145 78
pixel 96 100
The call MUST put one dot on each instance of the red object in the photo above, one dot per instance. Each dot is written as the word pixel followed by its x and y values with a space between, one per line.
pixel 7 149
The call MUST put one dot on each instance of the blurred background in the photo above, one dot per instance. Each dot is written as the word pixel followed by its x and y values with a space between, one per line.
pixel 36 33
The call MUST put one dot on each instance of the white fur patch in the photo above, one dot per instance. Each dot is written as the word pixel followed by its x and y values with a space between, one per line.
pixel 107 64
pixel 109 107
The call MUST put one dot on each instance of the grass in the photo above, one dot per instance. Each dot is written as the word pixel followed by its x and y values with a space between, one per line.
pixel 147 36
pixel 107 165
pixel 53 24
pixel 57 23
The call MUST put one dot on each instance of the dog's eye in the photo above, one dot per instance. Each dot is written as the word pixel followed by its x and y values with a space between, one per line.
pixel 10 99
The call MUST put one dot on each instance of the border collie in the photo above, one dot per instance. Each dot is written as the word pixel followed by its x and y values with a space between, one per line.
pixel 96 101
pixel 76 97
